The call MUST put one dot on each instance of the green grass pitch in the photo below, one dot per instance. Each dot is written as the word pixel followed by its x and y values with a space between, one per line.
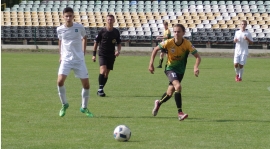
pixel 222 113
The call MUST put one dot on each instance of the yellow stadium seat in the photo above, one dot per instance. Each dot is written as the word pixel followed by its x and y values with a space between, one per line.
pixel 157 17
pixel 221 22
pixel 191 25
pixel 237 22
pixel 235 18
pixel 189 21
pixel 261 22
pixel 197 22
pixel 240 14
pixel 182 21
pixel 265 26
pixel 264 15
pixel 206 18
pixel 256 14
pixel 253 22
pixel 188 17
pixel 143 21
pixel 130 24
pixel 232 26
pixel 223 26
pixel 185 14
pixel 201 14
pixel 248 14
pixel 28 23
pixel 216 14
pixel 150 17
pixel 174 21
pixel 242 18
pixel 259 18
pixel 250 18
pixel 101 24
pixel 229 22
pixel 128 20
pixel 195 17
pixel 137 25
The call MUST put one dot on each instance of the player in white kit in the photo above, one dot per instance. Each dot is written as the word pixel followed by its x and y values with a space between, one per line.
pixel 72 47
pixel 242 39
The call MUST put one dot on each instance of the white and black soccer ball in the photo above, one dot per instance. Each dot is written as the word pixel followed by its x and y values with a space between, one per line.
pixel 122 133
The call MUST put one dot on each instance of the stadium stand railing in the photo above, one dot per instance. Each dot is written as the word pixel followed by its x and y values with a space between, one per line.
pixel 206 22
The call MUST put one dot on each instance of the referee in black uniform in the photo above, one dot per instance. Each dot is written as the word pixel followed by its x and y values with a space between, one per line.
pixel 106 39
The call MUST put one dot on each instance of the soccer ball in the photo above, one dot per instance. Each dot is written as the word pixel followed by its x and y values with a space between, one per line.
pixel 122 133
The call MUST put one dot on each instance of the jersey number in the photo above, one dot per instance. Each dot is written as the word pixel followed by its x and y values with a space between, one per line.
pixel 174 74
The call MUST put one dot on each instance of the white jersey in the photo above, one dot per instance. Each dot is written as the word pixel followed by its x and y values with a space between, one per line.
pixel 241 47
pixel 71 45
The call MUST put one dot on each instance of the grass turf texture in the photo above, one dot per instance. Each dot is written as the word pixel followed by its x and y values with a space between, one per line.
pixel 222 112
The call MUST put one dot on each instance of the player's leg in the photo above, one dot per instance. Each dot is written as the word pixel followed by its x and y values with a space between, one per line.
pixel 165 97
pixel 161 59
pixel 242 62
pixel 80 71
pixel 101 78
pixel 236 66
pixel 178 97
pixel 63 72
pixel 85 97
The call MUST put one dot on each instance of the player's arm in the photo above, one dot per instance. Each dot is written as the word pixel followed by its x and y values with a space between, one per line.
pixel 95 51
pixel 119 46
pixel 249 38
pixel 235 40
pixel 197 63
pixel 59 49
pixel 96 41
pixel 118 49
pixel 84 44
pixel 153 55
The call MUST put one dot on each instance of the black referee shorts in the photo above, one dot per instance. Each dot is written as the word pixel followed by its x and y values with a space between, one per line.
pixel 107 60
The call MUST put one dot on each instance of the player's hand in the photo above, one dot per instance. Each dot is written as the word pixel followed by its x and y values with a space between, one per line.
pixel 151 68
pixel 245 37
pixel 196 72
pixel 94 58
pixel 236 40
pixel 117 53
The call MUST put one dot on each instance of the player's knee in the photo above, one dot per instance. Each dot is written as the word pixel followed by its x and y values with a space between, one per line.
pixel 86 86
pixel 177 87
pixel 60 82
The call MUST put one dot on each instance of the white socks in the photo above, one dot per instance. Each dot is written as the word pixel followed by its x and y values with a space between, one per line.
pixel 85 97
pixel 62 94
pixel 241 72
pixel 237 70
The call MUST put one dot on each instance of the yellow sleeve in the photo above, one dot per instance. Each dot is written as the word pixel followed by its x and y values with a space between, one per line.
pixel 163 44
pixel 191 48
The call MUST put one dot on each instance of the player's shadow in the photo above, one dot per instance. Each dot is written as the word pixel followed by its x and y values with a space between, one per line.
pixel 226 120
pixel 191 119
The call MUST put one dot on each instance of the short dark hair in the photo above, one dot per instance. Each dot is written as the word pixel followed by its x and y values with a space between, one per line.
pixel 111 16
pixel 165 23
pixel 181 26
pixel 68 9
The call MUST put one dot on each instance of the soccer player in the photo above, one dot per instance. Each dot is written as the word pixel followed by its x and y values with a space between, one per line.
pixel 72 47
pixel 106 39
pixel 242 39
pixel 166 35
pixel 178 49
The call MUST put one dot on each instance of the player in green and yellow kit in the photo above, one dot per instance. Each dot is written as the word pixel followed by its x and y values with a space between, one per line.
pixel 178 49
pixel 166 35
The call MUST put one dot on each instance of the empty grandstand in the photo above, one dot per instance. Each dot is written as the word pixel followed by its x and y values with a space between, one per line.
pixel 211 22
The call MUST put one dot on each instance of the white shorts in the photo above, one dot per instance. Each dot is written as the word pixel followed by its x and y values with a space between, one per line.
pixel 78 67
pixel 240 59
